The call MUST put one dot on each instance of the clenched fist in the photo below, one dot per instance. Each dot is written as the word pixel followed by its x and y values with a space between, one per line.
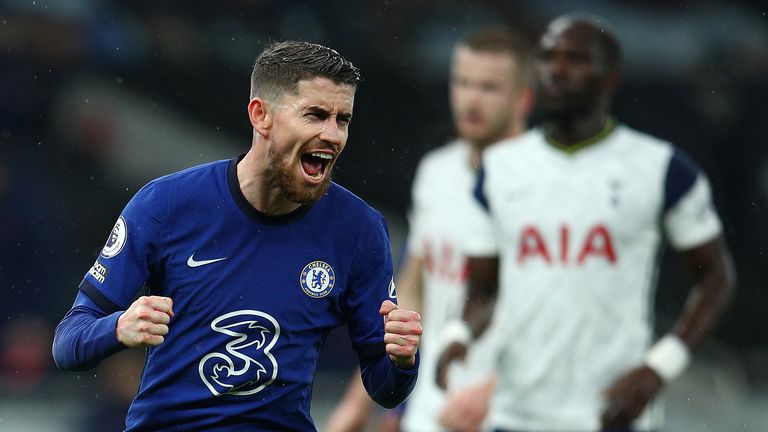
pixel 402 333
pixel 145 322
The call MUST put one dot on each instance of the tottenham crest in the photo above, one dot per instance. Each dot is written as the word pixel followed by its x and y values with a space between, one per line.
pixel 317 279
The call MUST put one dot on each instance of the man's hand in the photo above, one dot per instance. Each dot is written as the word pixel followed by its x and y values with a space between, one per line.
pixel 455 351
pixel 628 396
pixel 465 409
pixel 145 322
pixel 402 333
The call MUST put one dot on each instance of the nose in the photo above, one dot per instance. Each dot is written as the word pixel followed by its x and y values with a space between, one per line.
pixel 330 132
pixel 556 65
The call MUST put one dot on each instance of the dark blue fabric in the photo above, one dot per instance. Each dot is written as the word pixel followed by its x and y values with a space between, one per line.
pixel 107 305
pixel 385 383
pixel 254 297
pixel 85 336
pixel 681 175
pixel 478 192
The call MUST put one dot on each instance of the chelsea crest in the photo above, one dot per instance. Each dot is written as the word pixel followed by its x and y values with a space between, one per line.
pixel 317 279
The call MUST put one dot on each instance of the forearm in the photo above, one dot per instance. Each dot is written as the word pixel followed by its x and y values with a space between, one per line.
pixel 712 270
pixel 710 296
pixel 482 293
pixel 387 384
pixel 84 337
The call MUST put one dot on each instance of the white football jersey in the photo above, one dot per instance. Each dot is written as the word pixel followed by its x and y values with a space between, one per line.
pixel 578 235
pixel 442 196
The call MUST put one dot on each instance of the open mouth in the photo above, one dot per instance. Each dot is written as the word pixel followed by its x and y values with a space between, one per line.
pixel 315 164
pixel 473 119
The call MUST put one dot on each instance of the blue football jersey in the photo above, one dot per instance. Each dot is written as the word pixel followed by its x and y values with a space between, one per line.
pixel 254 297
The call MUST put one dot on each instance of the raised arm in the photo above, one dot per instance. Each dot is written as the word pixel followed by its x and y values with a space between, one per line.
pixel 89 334
pixel 353 412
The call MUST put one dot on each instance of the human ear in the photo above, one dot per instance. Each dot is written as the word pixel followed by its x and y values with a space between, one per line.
pixel 260 115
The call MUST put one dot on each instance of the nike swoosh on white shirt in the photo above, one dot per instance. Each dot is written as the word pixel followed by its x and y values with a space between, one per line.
pixel 192 263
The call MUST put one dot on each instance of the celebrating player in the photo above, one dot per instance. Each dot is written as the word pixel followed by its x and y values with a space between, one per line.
pixel 248 263
pixel 576 210
pixel 490 98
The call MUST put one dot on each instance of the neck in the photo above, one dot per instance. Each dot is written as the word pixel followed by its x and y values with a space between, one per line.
pixel 251 176
pixel 572 131
pixel 476 148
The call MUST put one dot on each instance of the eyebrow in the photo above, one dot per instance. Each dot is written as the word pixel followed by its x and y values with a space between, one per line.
pixel 318 110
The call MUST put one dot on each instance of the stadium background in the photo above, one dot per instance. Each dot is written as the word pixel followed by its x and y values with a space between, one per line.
pixel 97 97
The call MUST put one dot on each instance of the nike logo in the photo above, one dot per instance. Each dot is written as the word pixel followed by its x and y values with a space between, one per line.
pixel 192 263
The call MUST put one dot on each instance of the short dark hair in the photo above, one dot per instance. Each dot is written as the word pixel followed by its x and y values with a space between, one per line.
pixel 502 39
pixel 604 34
pixel 281 65
pixel 606 38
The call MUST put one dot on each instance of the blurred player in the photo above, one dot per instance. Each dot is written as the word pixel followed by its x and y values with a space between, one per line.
pixel 577 211
pixel 248 264
pixel 490 98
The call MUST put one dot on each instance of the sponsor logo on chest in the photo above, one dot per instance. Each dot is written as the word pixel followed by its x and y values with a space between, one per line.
pixel 597 244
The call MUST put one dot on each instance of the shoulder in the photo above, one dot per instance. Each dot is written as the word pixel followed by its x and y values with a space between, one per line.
pixel 448 155
pixel 179 187
pixel 191 176
pixel 350 208
pixel 525 142
pixel 673 166
pixel 631 140
pixel 518 148
pixel 676 159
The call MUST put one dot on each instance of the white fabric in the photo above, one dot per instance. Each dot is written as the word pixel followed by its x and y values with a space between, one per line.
pixel 668 357
pixel 455 331
pixel 578 237
pixel 693 220
pixel 442 195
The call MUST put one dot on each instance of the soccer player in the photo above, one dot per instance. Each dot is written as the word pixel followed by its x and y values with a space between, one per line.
pixel 576 210
pixel 490 99
pixel 248 263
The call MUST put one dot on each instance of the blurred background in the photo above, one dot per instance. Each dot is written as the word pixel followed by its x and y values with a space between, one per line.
pixel 99 97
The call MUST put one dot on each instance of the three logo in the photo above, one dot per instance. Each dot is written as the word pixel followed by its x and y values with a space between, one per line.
pixel 246 366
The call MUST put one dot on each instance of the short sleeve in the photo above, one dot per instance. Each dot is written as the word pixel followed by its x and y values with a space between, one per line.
pixel 692 220
pixel 479 229
pixel 127 259
pixel 371 283
pixel 420 190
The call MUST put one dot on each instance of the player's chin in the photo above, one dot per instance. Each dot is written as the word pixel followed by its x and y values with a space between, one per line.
pixel 474 132
pixel 308 192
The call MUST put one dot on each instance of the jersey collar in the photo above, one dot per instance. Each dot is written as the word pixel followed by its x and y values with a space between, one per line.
pixel 609 127
pixel 249 210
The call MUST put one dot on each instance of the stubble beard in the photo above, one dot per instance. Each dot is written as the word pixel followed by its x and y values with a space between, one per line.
pixel 495 133
pixel 280 176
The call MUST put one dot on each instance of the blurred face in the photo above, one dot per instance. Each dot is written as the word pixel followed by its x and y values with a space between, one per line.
pixel 483 95
pixel 308 133
pixel 571 77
